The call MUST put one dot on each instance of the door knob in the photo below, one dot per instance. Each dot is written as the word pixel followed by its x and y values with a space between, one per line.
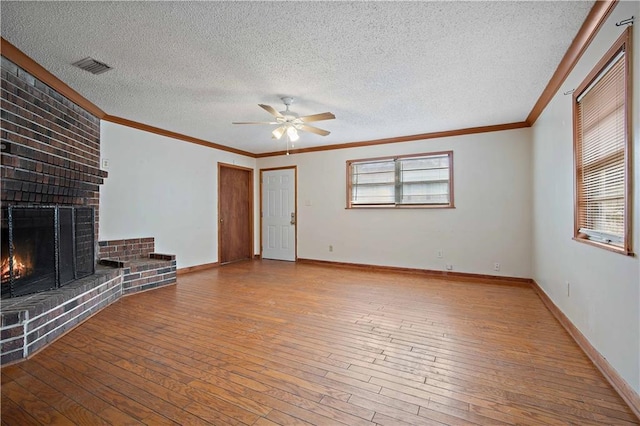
pixel 293 218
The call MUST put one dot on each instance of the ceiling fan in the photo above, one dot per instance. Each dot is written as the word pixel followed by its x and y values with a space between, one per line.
pixel 290 122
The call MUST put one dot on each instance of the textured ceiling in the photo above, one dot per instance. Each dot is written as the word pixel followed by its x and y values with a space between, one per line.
pixel 385 69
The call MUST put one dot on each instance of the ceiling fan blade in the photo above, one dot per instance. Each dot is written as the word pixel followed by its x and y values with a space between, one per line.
pixel 271 110
pixel 318 117
pixel 315 130
pixel 254 122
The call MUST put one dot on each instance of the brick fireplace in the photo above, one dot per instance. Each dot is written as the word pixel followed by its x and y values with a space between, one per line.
pixel 50 171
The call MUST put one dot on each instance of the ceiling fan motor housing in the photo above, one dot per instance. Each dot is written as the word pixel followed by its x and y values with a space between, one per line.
pixel 288 115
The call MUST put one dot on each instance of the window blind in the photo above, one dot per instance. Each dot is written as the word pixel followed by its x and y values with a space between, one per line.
pixel 373 182
pixel 600 154
pixel 410 180
pixel 424 180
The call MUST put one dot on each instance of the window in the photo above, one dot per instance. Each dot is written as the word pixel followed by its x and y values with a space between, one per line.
pixel 423 180
pixel 602 157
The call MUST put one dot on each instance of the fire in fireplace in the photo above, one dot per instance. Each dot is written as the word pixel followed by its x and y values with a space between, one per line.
pixel 45 247
pixel 15 264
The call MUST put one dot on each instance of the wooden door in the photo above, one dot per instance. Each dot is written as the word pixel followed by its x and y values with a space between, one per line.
pixel 278 213
pixel 235 213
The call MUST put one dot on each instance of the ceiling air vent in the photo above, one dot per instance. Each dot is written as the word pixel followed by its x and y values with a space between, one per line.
pixel 91 65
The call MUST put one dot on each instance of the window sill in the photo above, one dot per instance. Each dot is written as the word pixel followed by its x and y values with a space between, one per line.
pixel 400 207
pixel 604 246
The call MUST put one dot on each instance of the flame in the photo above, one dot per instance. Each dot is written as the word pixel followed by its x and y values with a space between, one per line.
pixel 19 269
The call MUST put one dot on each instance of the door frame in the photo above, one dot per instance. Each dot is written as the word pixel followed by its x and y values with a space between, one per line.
pixel 251 209
pixel 295 203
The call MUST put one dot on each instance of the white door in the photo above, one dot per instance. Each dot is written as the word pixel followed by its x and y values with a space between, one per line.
pixel 279 214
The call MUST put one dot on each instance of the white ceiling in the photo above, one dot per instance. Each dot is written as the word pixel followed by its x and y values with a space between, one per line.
pixel 385 69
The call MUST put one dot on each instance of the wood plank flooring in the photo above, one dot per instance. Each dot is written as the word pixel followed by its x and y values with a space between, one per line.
pixel 276 343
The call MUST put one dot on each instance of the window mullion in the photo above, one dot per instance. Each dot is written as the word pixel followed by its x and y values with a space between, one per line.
pixel 398 181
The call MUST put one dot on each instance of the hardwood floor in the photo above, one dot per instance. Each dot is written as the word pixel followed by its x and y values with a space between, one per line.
pixel 266 342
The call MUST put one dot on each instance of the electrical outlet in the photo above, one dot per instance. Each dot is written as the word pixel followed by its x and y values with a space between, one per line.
pixel 105 163
pixel 440 254
pixel 496 266
pixel 330 248
pixel 449 267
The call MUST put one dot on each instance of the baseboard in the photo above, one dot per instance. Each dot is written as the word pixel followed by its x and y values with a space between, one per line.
pixel 196 268
pixel 619 384
pixel 496 279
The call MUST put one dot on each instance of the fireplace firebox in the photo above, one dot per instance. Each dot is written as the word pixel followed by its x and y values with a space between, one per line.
pixel 45 247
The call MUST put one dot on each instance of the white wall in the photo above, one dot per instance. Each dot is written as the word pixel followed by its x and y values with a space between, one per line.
pixel 604 300
pixel 164 188
pixel 491 221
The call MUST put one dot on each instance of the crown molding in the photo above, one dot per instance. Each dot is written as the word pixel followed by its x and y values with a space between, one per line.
pixel 19 58
pixel 408 138
pixel 596 17
pixel 174 135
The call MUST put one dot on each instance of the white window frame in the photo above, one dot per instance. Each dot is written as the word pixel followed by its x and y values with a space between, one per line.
pixel 397 184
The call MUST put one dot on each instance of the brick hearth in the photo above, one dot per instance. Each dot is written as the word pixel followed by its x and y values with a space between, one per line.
pixel 31 322
pixel 142 268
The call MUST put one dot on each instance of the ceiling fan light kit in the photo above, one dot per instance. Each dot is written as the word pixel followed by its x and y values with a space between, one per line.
pixel 277 133
pixel 292 134
pixel 290 122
